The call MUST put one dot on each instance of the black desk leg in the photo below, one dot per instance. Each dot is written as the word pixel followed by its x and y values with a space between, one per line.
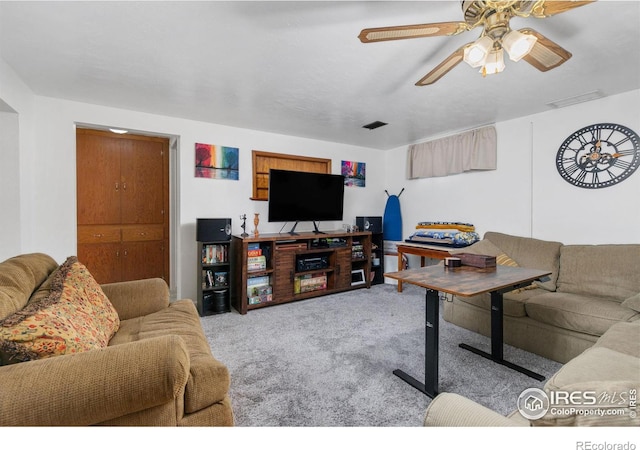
pixel 497 340
pixel 430 386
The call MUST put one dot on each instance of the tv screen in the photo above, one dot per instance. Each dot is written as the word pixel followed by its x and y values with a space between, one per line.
pixel 305 196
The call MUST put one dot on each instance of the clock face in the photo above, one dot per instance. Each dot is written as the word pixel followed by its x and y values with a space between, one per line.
pixel 599 155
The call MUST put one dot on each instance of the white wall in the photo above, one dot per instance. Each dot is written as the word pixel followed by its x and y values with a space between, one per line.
pixel 525 195
pixel 9 183
pixel 52 191
pixel 18 102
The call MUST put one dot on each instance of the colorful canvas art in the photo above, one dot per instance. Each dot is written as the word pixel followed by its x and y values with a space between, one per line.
pixel 354 173
pixel 215 161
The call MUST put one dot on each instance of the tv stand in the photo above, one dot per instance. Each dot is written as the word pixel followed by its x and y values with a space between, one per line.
pixel 295 267
pixel 315 229
pixel 292 230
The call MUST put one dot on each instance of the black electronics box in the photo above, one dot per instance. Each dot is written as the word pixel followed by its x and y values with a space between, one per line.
pixel 329 243
pixel 369 223
pixel 312 263
pixel 210 230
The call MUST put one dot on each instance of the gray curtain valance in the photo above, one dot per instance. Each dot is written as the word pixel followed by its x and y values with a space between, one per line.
pixel 471 150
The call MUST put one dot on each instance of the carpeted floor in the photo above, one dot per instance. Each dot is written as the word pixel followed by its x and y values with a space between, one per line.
pixel 328 361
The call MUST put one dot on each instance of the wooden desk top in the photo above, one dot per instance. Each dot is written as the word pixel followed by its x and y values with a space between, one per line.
pixel 428 251
pixel 467 281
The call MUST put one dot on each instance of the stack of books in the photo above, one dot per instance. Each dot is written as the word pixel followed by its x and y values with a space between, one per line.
pixel 357 251
pixel 255 259
pixel 215 254
pixel 309 283
pixel 259 290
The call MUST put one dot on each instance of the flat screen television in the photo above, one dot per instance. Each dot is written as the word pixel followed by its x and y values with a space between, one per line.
pixel 305 196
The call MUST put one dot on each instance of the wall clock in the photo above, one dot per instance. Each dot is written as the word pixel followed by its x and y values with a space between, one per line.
pixel 599 155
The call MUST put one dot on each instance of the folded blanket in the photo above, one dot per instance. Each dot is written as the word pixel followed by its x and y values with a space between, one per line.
pixel 446 238
pixel 459 226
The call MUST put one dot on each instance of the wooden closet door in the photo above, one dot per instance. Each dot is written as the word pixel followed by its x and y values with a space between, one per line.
pixel 142 174
pixel 102 261
pixel 142 260
pixel 123 204
pixel 98 179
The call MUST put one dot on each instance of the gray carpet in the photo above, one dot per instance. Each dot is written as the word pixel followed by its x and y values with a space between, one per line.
pixel 328 361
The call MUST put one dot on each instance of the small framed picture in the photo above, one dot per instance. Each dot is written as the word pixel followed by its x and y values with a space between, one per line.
pixel 357 277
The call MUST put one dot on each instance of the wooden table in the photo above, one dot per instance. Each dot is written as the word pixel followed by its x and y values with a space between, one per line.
pixel 464 281
pixel 424 251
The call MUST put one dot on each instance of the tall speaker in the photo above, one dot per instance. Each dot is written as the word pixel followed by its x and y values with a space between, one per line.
pixel 210 230
pixel 369 223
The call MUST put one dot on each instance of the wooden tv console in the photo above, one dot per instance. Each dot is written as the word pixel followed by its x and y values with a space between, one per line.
pixel 297 267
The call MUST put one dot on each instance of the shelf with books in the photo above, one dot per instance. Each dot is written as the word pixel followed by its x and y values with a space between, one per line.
pixel 259 289
pixel 296 267
pixel 214 277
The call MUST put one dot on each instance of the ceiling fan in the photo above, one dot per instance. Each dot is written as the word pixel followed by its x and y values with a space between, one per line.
pixel 487 51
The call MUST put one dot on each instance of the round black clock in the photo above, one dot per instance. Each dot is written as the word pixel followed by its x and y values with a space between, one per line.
pixel 599 155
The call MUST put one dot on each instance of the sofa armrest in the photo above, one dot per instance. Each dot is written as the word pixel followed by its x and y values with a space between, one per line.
pixel 137 298
pixel 94 386
pixel 453 410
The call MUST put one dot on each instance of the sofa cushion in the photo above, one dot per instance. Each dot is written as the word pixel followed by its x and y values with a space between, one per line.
pixel 75 317
pixel 633 302
pixel 611 271
pixel 591 315
pixel 530 253
pixel 19 277
pixel 208 378
pixel 623 337
pixel 608 376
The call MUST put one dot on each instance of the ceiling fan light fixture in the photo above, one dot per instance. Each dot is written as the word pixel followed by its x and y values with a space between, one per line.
pixel 494 62
pixel 476 53
pixel 518 45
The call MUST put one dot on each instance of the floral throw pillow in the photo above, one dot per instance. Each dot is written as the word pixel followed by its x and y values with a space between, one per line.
pixel 75 317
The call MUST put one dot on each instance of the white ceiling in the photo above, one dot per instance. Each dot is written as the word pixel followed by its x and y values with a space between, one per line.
pixel 297 68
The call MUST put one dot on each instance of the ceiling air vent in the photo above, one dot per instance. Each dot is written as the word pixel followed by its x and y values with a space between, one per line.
pixel 374 125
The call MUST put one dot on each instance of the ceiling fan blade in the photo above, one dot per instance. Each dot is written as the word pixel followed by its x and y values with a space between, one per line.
pixel 550 8
pixel 546 54
pixel 412 31
pixel 443 68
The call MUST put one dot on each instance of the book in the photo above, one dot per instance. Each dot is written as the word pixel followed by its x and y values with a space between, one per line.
pixel 257 291
pixel 309 283
pixel 259 299
pixel 215 254
pixel 256 281
pixel 253 253
pixel 221 278
pixel 256 263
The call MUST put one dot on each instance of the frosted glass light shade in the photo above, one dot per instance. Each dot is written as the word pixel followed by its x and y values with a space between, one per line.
pixel 494 62
pixel 476 53
pixel 518 45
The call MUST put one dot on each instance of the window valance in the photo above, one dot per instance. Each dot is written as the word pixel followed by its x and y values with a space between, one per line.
pixel 471 150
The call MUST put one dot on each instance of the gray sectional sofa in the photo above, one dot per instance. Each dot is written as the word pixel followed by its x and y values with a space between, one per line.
pixel 563 315
pixel 586 314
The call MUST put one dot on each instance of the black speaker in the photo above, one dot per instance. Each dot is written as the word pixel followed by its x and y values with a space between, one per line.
pixel 209 230
pixel 369 223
